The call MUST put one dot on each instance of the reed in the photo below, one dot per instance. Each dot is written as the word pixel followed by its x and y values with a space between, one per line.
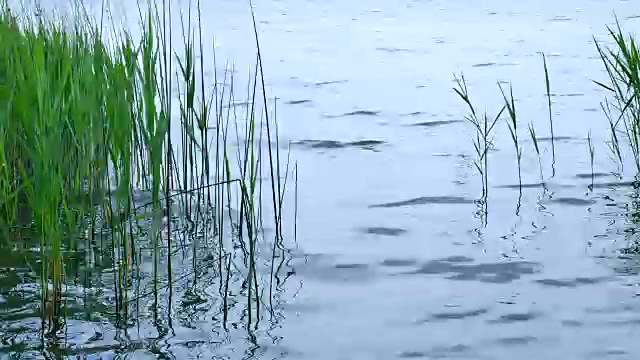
pixel 591 157
pixel 548 94
pixel 622 64
pixel 482 142
pixel 534 140
pixel 614 142
pixel 81 117
pixel 512 123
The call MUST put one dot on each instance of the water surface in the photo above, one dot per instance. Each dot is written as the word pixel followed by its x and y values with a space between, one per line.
pixel 391 259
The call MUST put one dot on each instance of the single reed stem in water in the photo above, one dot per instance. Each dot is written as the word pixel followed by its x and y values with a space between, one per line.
pixel 591 157
pixel 483 128
pixel 534 140
pixel 512 122
pixel 548 88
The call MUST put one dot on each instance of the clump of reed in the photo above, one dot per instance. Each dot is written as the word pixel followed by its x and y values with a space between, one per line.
pixel 621 61
pixel 484 126
pixel 81 117
pixel 622 64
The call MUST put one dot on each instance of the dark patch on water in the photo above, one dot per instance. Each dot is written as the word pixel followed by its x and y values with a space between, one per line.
pixel 484 64
pixel 501 273
pixel 351 266
pixel 567 95
pixel 412 355
pixel 384 231
pixel 298 102
pixel 571 283
pixel 322 269
pixel 415 113
pixel 334 144
pixel 436 123
pixel 332 82
pixel 456 315
pixel 516 341
pixel 458 259
pixel 444 352
pixel 237 104
pixel 606 353
pixel 515 317
pixel 356 113
pixel 614 309
pixel 616 184
pixel 393 50
pixel 424 200
pixel 398 262
pixel 523 186
pixel 595 175
pixel 437 352
pixel 572 201
pixel 626 322
pixel 557 138
pixel 571 323
pixel 366 142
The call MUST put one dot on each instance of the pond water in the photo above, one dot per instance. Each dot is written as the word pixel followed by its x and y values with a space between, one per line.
pixel 391 258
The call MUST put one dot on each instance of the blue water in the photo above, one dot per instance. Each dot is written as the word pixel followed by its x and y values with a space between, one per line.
pixel 391 259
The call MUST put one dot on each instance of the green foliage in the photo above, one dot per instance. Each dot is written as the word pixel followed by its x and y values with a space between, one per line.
pixel 622 64
pixel 79 118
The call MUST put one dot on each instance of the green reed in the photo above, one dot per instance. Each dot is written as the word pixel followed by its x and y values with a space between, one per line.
pixel 614 143
pixel 482 142
pixel 512 123
pixel 536 147
pixel 80 115
pixel 591 157
pixel 622 64
pixel 52 140
pixel 548 94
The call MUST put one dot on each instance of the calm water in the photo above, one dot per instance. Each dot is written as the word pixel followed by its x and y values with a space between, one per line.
pixel 391 260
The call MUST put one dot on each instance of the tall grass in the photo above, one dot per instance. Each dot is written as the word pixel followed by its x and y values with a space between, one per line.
pixel 80 116
pixel 622 64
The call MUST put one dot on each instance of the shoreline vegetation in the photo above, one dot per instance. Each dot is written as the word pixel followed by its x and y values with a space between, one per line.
pixel 622 64
pixel 85 127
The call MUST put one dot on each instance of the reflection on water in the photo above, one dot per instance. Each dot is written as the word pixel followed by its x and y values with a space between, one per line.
pixel 391 260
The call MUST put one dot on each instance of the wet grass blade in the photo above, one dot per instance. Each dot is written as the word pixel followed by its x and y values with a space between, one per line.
pixel 548 89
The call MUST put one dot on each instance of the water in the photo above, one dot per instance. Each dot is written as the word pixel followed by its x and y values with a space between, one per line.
pixel 391 259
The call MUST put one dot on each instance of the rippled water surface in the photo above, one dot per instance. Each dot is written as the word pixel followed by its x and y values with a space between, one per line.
pixel 391 259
